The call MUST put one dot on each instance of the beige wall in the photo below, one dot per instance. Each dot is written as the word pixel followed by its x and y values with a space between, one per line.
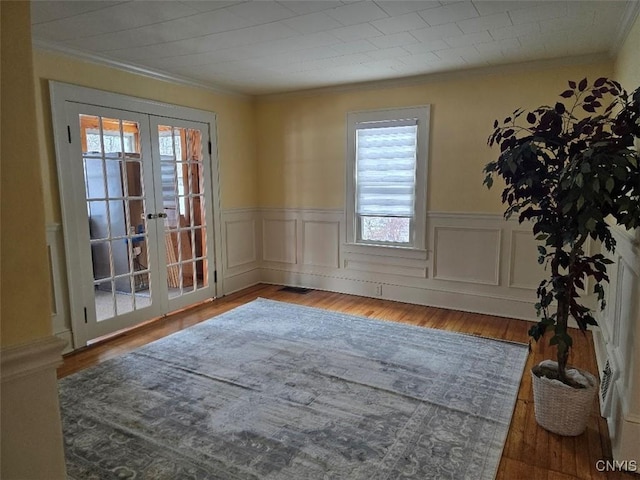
pixel 302 138
pixel 236 148
pixel 627 65
pixel 26 311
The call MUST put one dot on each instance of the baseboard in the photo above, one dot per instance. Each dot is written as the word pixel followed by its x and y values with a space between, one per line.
pixel 624 432
pixel 235 283
pixel 484 304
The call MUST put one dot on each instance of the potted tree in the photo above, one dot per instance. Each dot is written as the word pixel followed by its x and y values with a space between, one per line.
pixel 571 170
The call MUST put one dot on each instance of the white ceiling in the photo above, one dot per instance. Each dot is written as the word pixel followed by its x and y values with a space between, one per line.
pixel 258 47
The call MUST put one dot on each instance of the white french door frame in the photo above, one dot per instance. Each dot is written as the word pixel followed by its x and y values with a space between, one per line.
pixel 65 98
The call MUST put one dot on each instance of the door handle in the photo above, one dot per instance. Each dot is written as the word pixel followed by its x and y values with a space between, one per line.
pixel 152 216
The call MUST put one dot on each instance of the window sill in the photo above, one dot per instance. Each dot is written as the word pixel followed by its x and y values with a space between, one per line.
pixel 385 251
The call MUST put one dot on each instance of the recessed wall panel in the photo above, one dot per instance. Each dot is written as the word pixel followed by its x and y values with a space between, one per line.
pixel 321 243
pixel 279 241
pixel 240 242
pixel 525 271
pixel 470 255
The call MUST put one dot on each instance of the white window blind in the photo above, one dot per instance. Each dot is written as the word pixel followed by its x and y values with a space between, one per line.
pixel 386 168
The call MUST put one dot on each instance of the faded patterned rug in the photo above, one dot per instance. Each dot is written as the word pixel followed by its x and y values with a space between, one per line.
pixel 272 390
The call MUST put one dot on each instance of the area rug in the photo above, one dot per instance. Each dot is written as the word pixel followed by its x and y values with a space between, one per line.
pixel 272 390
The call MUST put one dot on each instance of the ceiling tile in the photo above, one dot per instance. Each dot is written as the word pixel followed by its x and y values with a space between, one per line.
pixel 488 7
pixel 391 52
pixel 221 20
pixel 478 24
pixel 395 40
pixel 514 31
pixel 499 46
pixel 399 7
pixel 356 13
pixel 356 46
pixel 541 12
pixel 208 5
pixel 470 39
pixel 402 23
pixel 449 13
pixel 418 48
pixel 458 52
pixel 312 22
pixel 580 23
pixel 303 7
pixel 419 58
pixel 437 33
pixel 261 12
pixel 356 32
pixel 123 16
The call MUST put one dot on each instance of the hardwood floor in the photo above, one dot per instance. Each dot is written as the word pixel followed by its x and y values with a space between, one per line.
pixel 530 452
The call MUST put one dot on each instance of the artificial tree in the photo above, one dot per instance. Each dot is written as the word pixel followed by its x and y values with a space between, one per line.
pixel 571 169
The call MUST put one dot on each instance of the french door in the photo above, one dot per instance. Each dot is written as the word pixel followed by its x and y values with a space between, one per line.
pixel 138 216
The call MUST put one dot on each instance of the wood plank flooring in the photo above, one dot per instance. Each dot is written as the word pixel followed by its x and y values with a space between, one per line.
pixel 530 452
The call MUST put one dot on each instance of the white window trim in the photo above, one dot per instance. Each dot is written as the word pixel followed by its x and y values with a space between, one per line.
pixel 422 114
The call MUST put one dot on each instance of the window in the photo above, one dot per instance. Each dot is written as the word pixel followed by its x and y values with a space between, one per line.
pixel 386 177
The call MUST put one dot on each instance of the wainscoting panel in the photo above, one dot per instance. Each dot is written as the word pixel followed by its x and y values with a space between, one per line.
pixel 241 237
pixel 241 240
pixel 618 340
pixel 321 243
pixel 524 270
pixel 465 266
pixel 280 240
pixel 467 254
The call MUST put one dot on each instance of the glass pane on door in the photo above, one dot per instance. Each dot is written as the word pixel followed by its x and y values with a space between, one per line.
pixel 183 201
pixel 115 202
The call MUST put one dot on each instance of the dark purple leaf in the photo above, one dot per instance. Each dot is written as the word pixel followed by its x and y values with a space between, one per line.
pixel 507 120
pixel 567 94
pixel 596 104
pixel 582 85
pixel 495 124
pixel 531 118
pixel 589 98
pixel 572 84
pixel 599 82
pixel 588 107
pixel 508 133
pixel 560 108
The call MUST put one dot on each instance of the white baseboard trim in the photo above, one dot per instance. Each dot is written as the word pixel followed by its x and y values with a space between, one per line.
pixel 235 283
pixel 29 358
pixel 625 431
pixel 484 304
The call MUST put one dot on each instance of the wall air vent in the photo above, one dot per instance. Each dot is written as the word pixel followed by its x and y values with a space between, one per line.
pixel 608 377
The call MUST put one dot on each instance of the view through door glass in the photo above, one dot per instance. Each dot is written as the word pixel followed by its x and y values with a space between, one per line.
pixel 183 200
pixel 115 201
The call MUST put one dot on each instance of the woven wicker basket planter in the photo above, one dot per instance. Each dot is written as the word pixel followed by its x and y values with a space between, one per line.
pixel 561 409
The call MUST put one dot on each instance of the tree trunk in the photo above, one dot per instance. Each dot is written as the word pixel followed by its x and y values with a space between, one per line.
pixel 561 329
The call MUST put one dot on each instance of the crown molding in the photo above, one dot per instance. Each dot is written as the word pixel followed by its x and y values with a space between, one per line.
pixel 445 76
pixel 132 68
pixel 628 19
